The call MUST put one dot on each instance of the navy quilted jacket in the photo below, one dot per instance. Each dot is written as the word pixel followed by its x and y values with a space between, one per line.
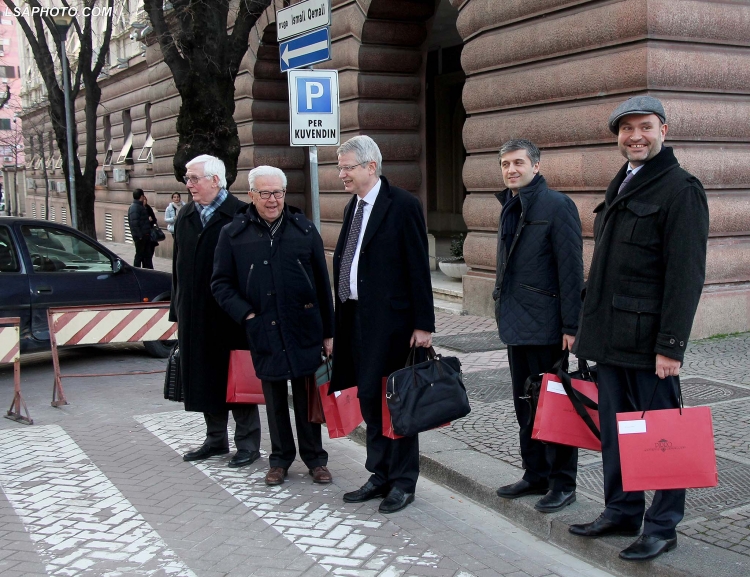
pixel 539 280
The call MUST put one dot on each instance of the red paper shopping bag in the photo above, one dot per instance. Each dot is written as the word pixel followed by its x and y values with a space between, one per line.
pixel 341 409
pixel 667 449
pixel 556 419
pixel 242 384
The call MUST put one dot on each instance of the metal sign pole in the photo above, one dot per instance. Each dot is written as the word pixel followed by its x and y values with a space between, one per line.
pixel 314 187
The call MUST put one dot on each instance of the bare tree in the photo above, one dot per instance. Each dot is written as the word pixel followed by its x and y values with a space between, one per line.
pixel 11 145
pixel 204 59
pixel 89 64
pixel 35 129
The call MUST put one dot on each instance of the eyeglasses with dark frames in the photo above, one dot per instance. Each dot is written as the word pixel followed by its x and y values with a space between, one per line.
pixel 266 194
pixel 194 179
pixel 344 168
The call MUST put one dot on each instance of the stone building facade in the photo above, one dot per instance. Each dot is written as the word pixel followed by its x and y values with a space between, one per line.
pixel 441 84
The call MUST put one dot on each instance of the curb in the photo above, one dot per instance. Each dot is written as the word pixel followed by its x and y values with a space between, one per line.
pixel 455 465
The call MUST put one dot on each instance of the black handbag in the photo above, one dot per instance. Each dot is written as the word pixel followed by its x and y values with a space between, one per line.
pixel 172 382
pixel 425 395
pixel 533 386
pixel 157 234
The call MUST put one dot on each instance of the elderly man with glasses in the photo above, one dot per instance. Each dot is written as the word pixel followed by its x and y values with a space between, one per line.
pixel 206 333
pixel 270 276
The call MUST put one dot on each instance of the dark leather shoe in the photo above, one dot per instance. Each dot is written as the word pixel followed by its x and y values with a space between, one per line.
pixel 365 493
pixel 204 452
pixel 242 458
pixel 521 489
pixel 647 547
pixel 555 501
pixel 321 475
pixel 601 527
pixel 396 500
pixel 275 476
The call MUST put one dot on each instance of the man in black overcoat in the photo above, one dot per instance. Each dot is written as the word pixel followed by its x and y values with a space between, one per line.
pixel 643 289
pixel 206 333
pixel 140 230
pixel 537 300
pixel 383 307
pixel 270 276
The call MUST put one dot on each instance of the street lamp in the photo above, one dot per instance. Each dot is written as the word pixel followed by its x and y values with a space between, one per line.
pixel 62 22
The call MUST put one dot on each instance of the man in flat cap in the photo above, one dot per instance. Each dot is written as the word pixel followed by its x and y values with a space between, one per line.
pixel 643 289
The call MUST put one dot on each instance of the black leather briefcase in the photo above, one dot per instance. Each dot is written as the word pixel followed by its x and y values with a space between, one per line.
pixel 172 383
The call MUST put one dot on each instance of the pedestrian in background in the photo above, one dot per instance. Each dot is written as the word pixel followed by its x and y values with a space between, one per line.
pixel 384 307
pixel 646 278
pixel 140 230
pixel 270 276
pixel 537 301
pixel 173 209
pixel 205 332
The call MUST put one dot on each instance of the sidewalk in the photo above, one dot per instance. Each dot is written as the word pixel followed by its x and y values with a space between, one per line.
pixel 480 452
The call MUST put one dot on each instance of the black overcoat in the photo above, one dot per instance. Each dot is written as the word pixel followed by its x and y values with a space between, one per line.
pixel 538 283
pixel 205 332
pixel 394 288
pixel 648 267
pixel 284 281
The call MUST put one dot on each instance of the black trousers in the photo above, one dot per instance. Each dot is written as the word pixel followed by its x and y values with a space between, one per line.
pixel 546 463
pixel 391 462
pixel 246 432
pixel 144 252
pixel 283 450
pixel 624 390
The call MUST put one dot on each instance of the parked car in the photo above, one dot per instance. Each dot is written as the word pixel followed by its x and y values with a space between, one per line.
pixel 44 264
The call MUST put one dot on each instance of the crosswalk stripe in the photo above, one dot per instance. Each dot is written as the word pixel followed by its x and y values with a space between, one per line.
pixel 78 520
pixel 335 537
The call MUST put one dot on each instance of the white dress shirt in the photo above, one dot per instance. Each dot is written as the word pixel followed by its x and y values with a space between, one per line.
pixel 366 210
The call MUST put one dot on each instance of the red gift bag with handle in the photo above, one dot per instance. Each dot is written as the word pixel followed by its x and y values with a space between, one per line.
pixel 667 449
pixel 242 384
pixel 341 409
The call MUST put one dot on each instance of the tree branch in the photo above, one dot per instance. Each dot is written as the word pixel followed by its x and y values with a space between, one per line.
pixel 247 15
pixel 176 63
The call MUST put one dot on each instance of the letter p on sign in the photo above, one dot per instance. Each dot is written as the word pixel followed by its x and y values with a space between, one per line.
pixel 314 96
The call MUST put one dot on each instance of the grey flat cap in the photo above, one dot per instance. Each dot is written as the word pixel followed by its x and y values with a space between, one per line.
pixel 637 105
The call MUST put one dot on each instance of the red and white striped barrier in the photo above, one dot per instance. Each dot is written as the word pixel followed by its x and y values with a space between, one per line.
pixel 99 325
pixel 10 352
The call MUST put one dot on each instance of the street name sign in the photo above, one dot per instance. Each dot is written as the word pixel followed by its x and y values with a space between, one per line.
pixel 314 107
pixel 306 50
pixel 302 17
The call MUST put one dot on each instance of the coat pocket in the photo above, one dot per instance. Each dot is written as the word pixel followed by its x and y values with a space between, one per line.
pixel 310 327
pixel 644 230
pixel 257 339
pixel 635 323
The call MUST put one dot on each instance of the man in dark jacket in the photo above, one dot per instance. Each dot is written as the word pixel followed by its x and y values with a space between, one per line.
pixel 140 230
pixel 643 289
pixel 270 276
pixel 537 300
pixel 384 306
pixel 205 332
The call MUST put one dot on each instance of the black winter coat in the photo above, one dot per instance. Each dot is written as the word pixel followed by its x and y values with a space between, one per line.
pixel 648 267
pixel 138 220
pixel 283 281
pixel 205 332
pixel 538 285
pixel 394 288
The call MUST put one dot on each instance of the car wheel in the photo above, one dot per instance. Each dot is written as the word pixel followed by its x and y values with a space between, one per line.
pixel 159 349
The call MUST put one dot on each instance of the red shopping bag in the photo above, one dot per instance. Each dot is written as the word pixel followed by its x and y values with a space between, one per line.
pixel 387 422
pixel 667 449
pixel 242 384
pixel 557 421
pixel 341 409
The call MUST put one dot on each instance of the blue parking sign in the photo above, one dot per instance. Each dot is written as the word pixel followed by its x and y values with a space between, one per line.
pixel 314 95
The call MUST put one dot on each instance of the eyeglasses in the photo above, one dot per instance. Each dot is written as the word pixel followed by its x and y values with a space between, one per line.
pixel 194 179
pixel 350 168
pixel 266 194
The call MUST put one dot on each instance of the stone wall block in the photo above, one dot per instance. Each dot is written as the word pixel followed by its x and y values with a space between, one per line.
pixel 616 71
pixel 728 261
pixel 269 90
pixel 480 15
pixel 344 54
pixel 282 157
pixel 276 134
pixel 394 33
pixel 347 20
pixel 270 69
pixel 266 110
pixel 387 59
pixel 164 128
pixel 330 231
pixel 332 206
pixel 388 115
pixel 163 90
pixel 730 213
pixel 717 22
pixel 699 68
pixel 388 87
pixel 415 10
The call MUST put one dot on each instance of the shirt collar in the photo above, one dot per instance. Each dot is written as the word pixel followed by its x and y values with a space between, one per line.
pixel 373 194
pixel 633 170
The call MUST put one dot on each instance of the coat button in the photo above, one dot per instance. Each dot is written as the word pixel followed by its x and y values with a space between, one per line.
pixel 265 262
pixel 269 293
pixel 671 341
pixel 682 343
pixel 273 323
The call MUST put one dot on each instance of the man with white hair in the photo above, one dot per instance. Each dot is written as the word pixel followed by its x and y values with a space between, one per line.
pixel 384 307
pixel 206 333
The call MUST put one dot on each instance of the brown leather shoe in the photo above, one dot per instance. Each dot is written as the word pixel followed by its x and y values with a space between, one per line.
pixel 275 476
pixel 321 475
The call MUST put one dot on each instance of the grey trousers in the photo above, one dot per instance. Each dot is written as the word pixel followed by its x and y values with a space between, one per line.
pixel 246 433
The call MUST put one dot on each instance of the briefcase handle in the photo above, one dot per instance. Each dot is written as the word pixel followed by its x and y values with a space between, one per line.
pixel 430 351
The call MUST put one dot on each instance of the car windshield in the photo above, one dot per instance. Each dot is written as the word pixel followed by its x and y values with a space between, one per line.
pixel 55 250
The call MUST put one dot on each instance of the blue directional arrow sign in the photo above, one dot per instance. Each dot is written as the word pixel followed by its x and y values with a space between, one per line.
pixel 305 50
